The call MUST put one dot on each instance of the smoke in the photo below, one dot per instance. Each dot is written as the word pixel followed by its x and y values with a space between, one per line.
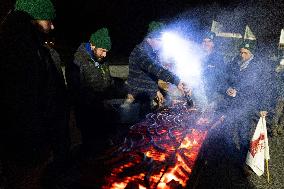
pixel 186 56
pixel 257 93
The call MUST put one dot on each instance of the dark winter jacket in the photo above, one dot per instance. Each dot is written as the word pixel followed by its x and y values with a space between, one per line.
pixel 33 93
pixel 145 70
pixel 89 80
pixel 214 77
pixel 255 90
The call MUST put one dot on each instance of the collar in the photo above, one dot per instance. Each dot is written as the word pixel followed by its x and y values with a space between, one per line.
pixel 89 50
pixel 244 65
pixel 91 53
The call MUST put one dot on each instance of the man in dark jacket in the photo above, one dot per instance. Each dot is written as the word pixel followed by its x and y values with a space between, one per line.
pixel 32 98
pixel 213 73
pixel 250 94
pixel 90 82
pixel 145 69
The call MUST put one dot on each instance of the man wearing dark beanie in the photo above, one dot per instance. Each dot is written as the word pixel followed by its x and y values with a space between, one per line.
pixel 32 98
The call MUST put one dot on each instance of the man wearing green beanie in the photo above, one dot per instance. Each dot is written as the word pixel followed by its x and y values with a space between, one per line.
pixel 90 84
pixel 42 12
pixel 33 96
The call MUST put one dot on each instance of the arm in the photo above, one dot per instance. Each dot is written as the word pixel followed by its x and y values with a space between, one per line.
pixel 154 68
pixel 73 80
pixel 22 74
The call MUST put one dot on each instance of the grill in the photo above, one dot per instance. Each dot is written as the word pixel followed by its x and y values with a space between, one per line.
pixel 160 151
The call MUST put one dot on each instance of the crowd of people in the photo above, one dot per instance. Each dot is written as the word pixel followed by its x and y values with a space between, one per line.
pixel 35 100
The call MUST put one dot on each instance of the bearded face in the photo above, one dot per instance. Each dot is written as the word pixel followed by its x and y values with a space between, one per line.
pixel 44 26
pixel 245 54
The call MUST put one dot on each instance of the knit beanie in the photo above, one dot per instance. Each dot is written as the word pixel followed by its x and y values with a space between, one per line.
pixel 249 45
pixel 38 9
pixel 209 35
pixel 154 26
pixel 101 39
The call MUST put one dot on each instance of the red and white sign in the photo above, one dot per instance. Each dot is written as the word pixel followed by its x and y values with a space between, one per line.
pixel 259 149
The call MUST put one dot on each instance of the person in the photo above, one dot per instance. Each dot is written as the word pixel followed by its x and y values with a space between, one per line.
pixel 145 69
pixel 91 83
pixel 249 95
pixel 50 45
pixel 32 98
pixel 277 122
pixel 213 73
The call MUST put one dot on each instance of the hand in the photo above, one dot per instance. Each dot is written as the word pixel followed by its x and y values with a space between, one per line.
pixel 222 118
pixel 263 113
pixel 160 98
pixel 129 98
pixel 163 85
pixel 184 88
pixel 231 92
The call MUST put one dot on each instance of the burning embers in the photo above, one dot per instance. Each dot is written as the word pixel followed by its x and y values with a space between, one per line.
pixel 160 151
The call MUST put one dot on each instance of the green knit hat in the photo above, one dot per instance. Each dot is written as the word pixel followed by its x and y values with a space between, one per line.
pixel 38 9
pixel 101 39
pixel 249 45
pixel 155 26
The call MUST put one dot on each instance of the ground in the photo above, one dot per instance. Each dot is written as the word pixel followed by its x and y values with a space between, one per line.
pixel 216 171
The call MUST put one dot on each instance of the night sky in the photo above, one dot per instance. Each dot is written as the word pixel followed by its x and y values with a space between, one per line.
pixel 127 20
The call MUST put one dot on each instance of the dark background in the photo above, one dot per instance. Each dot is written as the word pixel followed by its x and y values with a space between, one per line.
pixel 128 20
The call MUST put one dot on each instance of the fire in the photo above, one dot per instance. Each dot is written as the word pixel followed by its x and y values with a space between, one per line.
pixel 119 185
pixel 168 177
pixel 161 155
pixel 187 143
pixel 156 156
pixel 124 183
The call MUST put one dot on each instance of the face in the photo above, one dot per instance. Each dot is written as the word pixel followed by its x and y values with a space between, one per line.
pixel 208 45
pixel 100 53
pixel 44 25
pixel 155 43
pixel 245 54
pixel 50 44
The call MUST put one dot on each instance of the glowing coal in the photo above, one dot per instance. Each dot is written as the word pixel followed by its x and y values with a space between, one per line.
pixel 160 151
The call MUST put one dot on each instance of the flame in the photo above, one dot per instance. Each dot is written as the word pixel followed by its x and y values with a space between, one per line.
pixel 142 187
pixel 185 166
pixel 185 157
pixel 174 157
pixel 121 185
pixel 162 185
pixel 188 143
pixel 156 156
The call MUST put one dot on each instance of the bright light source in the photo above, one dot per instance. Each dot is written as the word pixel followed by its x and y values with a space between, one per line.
pixel 187 59
pixel 184 54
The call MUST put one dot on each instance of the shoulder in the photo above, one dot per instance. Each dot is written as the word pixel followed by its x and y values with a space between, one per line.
pixel 262 63
pixel 233 62
pixel 138 53
pixel 81 54
pixel 16 25
pixel 138 48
